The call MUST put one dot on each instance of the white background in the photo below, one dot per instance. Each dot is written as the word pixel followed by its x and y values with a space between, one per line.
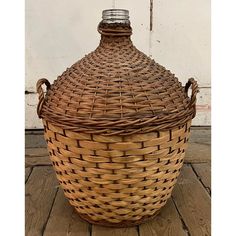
pixel 60 32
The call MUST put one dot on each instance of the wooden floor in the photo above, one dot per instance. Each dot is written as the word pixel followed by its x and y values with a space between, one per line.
pixel 187 213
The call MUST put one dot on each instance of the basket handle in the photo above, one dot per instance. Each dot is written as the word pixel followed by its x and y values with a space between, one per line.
pixel 192 82
pixel 41 94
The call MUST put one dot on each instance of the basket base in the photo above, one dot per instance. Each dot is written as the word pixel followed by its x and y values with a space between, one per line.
pixel 122 224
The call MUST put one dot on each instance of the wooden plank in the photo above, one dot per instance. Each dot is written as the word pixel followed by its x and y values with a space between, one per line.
pixel 35 132
pixel 37 157
pixel 200 135
pixel 199 147
pixel 193 203
pixel 37 161
pixel 98 230
pixel 34 140
pixel 36 152
pixel 64 220
pixel 40 192
pixel 198 153
pixel 203 172
pixel 27 173
pixel 167 223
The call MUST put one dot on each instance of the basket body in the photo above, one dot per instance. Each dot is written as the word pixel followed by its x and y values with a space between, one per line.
pixel 117 180
pixel 117 125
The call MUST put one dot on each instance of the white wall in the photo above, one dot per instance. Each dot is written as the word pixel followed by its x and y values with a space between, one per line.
pixel 59 32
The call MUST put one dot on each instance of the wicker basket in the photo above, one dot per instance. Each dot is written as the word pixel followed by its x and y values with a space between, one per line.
pixel 117 125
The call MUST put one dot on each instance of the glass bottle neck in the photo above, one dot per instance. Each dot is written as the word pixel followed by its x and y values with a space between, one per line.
pixel 115 22
pixel 115 28
pixel 111 16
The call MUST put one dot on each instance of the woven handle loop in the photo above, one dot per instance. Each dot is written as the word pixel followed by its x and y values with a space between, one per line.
pixel 192 82
pixel 41 94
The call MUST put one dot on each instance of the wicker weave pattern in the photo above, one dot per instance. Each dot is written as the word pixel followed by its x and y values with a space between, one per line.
pixel 117 178
pixel 117 125
pixel 117 89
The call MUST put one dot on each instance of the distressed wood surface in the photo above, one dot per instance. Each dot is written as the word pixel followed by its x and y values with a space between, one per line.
pixel 200 135
pixel 203 172
pixel 167 223
pixel 37 157
pixel 98 230
pixel 27 173
pixel 64 220
pixel 36 152
pixel 193 203
pixel 34 141
pixel 198 153
pixel 39 196
pixel 37 161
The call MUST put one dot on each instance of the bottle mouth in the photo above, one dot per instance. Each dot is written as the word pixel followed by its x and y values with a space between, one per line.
pixel 115 16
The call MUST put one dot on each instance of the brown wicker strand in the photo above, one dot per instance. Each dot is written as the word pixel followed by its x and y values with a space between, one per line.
pixel 41 94
pixel 195 90
pixel 163 120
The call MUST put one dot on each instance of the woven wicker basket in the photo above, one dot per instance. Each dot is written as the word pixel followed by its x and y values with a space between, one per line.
pixel 117 125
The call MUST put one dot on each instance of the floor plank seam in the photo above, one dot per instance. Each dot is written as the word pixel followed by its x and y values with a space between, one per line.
pixel 208 190
pixel 195 162
pixel 138 231
pixel 28 156
pixel 49 214
pixel 185 228
pixel 70 224
pixel 200 180
pixel 201 127
pixel 31 170
pixel 38 165
pixel 202 143
pixel 90 229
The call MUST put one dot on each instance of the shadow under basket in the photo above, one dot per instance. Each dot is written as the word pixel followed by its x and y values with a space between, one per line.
pixel 117 125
